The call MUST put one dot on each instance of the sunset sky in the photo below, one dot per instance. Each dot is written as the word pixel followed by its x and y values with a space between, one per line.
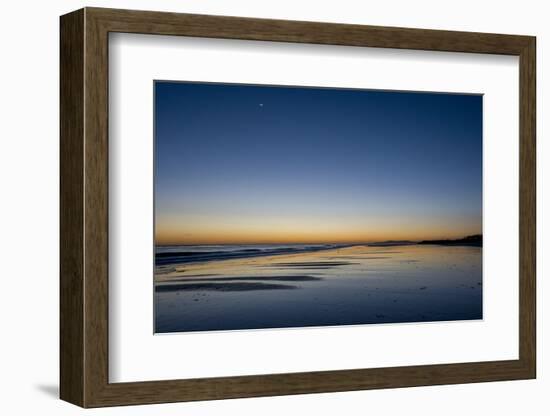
pixel 260 164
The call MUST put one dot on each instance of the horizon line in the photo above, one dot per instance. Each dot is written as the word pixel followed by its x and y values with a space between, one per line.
pixel 318 242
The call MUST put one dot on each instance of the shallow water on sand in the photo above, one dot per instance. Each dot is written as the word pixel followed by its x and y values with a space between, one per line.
pixel 338 286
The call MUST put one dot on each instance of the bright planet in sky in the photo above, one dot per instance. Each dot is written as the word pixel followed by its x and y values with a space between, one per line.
pixel 323 165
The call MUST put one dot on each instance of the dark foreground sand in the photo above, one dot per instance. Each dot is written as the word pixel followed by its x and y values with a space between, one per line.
pixel 344 286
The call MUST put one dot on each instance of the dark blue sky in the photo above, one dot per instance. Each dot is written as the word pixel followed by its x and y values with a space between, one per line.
pixel 240 163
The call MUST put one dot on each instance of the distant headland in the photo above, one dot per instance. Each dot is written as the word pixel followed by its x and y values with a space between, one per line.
pixel 471 240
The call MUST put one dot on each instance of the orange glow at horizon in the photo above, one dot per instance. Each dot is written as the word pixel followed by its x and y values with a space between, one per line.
pixel 306 230
pixel 314 165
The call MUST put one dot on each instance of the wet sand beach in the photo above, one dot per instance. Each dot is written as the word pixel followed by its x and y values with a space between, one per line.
pixel 332 285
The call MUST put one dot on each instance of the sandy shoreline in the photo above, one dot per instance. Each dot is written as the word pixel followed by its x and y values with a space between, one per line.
pixel 351 285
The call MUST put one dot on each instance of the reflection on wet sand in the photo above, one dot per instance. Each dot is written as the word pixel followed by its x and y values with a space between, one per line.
pixel 338 286
pixel 299 278
pixel 222 287
pixel 317 265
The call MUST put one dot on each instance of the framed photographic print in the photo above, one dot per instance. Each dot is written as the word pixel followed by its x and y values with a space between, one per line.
pixel 256 207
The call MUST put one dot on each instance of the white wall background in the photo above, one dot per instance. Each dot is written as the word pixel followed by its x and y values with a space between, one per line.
pixel 29 211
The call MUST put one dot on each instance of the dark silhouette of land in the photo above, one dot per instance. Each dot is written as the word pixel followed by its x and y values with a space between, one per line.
pixel 471 240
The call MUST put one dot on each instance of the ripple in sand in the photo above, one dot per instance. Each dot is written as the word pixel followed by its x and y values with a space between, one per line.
pixel 221 287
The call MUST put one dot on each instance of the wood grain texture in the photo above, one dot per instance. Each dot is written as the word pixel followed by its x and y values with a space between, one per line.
pixel 162 23
pixel 84 207
pixel 96 219
pixel 527 207
pixel 71 158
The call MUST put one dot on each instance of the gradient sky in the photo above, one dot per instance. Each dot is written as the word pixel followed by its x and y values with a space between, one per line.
pixel 259 164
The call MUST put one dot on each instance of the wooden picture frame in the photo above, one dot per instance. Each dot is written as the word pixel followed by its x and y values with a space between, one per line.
pixel 84 207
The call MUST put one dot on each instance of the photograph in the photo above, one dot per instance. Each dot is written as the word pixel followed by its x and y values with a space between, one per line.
pixel 275 204
pixel 291 206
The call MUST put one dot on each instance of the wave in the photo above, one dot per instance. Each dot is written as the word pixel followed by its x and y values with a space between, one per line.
pixel 166 255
